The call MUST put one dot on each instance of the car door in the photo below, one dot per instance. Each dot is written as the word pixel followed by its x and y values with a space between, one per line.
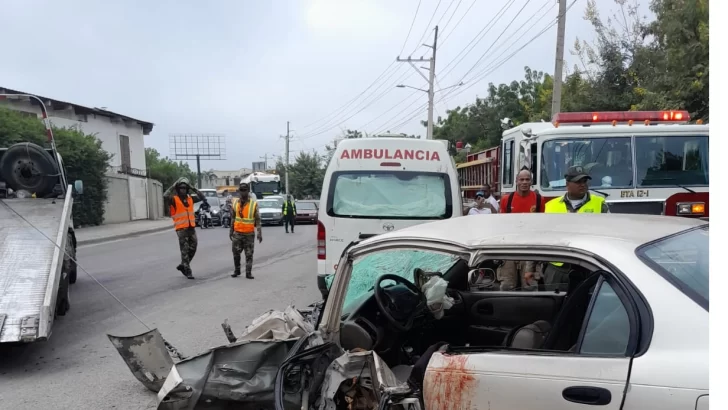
pixel 487 316
pixel 594 372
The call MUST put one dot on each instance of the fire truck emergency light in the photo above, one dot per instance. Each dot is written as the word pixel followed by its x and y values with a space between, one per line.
pixel 620 116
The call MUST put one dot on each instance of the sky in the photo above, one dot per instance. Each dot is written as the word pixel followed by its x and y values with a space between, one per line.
pixel 244 68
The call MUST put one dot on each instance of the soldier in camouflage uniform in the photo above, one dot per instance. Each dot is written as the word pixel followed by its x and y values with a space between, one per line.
pixel 186 236
pixel 243 238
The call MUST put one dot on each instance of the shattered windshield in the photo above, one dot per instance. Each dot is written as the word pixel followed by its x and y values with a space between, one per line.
pixel 390 195
pixel 400 262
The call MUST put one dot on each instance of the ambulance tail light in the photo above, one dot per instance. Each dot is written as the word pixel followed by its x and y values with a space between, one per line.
pixel 691 208
pixel 614 117
pixel 321 241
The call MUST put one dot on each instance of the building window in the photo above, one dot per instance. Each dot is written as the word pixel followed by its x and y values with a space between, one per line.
pixel 125 153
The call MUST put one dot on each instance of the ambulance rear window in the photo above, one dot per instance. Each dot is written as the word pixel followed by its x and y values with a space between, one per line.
pixel 390 195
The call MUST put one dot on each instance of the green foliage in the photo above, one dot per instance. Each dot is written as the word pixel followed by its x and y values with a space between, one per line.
pixel 82 155
pixel 346 135
pixel 631 65
pixel 167 171
pixel 306 175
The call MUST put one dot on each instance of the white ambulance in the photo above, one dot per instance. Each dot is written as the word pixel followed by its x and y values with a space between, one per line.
pixel 380 184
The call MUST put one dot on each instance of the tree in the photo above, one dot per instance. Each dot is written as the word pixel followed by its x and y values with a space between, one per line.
pixel 348 134
pixel 165 170
pixel 306 175
pixel 82 154
pixel 631 65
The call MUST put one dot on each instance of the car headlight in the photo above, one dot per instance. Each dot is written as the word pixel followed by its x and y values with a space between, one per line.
pixel 691 208
pixel 215 212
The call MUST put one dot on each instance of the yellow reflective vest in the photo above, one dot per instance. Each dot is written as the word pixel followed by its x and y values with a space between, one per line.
pixel 558 206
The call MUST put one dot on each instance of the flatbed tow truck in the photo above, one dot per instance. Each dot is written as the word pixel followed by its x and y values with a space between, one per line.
pixel 37 240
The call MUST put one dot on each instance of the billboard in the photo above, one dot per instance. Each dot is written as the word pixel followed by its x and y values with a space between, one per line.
pixel 259 166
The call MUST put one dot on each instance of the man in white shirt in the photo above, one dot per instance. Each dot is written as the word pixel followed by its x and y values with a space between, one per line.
pixel 489 198
pixel 482 205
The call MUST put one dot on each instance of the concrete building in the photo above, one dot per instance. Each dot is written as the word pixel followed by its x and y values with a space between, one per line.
pixel 131 195
pixel 215 178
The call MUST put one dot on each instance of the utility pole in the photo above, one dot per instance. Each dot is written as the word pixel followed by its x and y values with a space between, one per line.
pixel 265 158
pixel 288 139
pixel 430 81
pixel 559 69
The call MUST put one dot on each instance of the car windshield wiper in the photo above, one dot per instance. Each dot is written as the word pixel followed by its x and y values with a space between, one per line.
pixel 669 179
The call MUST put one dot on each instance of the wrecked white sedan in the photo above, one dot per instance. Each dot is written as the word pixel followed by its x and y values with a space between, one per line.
pixel 608 311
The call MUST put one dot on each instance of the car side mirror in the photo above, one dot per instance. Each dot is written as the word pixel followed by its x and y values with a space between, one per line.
pixel 482 279
pixel 78 187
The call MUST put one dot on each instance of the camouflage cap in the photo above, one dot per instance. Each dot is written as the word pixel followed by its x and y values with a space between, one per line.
pixel 183 180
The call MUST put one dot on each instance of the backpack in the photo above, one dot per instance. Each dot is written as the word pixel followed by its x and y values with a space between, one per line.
pixel 510 202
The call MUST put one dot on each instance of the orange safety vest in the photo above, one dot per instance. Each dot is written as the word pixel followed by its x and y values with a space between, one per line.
pixel 183 217
pixel 245 220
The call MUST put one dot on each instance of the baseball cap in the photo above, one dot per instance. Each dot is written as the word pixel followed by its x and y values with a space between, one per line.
pixel 480 193
pixel 243 185
pixel 575 174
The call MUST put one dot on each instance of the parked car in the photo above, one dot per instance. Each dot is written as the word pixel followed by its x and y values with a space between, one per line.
pixel 270 211
pixel 214 211
pixel 306 211
pixel 417 315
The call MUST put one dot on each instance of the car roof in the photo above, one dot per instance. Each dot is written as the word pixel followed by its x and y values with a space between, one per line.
pixel 580 230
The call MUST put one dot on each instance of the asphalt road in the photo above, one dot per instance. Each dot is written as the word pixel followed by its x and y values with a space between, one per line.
pixel 79 369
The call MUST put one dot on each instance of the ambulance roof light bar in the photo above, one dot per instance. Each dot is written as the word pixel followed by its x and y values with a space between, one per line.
pixel 614 117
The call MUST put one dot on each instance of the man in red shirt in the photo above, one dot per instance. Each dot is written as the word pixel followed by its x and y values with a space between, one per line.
pixel 522 201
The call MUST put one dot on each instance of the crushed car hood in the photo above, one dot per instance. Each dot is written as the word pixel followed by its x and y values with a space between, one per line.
pixel 243 371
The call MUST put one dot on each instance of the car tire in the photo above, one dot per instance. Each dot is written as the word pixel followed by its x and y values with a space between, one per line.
pixel 16 161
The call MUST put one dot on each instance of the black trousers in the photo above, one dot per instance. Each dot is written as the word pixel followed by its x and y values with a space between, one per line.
pixel 289 220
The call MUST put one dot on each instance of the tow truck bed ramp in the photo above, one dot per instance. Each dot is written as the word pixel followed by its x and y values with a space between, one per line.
pixel 30 265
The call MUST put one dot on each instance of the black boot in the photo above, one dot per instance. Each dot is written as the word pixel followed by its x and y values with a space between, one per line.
pixel 249 275
pixel 189 273
pixel 236 273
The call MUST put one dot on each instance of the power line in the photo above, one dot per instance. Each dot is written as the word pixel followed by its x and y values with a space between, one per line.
pixel 419 42
pixel 336 121
pixel 411 25
pixel 336 115
pixel 487 71
pixel 453 13
pixel 479 37
pixel 497 38
pixel 458 23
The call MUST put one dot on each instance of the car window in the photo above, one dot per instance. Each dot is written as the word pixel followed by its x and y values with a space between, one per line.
pixel 400 262
pixel 683 260
pixel 607 331
pixel 309 206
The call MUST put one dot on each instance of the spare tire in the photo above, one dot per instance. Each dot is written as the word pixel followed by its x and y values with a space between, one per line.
pixel 29 167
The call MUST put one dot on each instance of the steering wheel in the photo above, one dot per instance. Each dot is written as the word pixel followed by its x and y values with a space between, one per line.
pixel 399 310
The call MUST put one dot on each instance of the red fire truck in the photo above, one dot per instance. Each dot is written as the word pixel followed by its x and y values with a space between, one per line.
pixel 643 162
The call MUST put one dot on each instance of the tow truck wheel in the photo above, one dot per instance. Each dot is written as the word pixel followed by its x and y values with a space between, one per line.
pixel 73 267
pixel 63 302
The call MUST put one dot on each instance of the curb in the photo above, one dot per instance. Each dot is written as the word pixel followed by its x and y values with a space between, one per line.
pixel 121 236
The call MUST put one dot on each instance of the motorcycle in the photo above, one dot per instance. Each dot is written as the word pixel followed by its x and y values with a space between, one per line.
pixel 205 219
pixel 226 217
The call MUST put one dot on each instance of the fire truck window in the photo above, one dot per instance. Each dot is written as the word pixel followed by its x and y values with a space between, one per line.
pixel 508 163
pixel 672 160
pixel 608 161
pixel 534 161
